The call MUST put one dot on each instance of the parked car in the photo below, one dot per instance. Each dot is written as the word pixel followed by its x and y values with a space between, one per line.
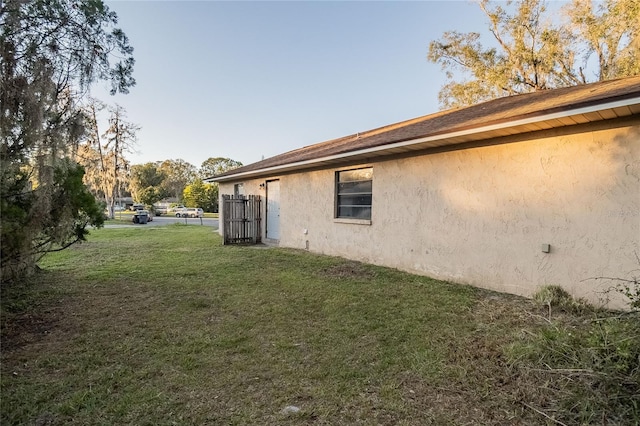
pixel 197 212
pixel 190 212
pixel 137 207
pixel 180 211
pixel 159 211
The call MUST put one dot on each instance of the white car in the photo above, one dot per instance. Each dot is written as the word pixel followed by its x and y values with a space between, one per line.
pixel 198 212
pixel 189 212
pixel 180 211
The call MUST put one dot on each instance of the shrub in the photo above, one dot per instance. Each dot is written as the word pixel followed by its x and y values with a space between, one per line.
pixel 557 297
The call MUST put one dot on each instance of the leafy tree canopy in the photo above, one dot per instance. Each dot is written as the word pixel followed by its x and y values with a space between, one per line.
pixel 146 183
pixel 145 175
pixel 530 51
pixel 150 195
pixel 216 165
pixel 200 194
pixel 179 173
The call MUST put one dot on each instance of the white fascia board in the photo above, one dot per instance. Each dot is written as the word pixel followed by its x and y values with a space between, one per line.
pixel 302 164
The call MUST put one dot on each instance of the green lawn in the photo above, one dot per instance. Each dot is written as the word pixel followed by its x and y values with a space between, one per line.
pixel 160 326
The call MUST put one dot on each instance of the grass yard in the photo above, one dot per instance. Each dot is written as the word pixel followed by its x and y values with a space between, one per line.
pixel 164 326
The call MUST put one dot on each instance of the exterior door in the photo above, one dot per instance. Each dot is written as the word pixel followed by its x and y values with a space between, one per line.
pixel 273 209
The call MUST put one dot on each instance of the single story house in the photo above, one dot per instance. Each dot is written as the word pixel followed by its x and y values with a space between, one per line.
pixel 510 194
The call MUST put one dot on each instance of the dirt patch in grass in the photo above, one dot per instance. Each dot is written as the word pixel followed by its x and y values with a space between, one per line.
pixel 28 328
pixel 351 270
pixel 29 311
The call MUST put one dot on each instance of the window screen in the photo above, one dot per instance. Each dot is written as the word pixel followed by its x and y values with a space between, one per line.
pixel 353 193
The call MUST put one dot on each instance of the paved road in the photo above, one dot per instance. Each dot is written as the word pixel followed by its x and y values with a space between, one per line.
pixel 167 220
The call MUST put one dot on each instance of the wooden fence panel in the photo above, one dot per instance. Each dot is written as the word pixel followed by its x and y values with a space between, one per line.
pixel 242 220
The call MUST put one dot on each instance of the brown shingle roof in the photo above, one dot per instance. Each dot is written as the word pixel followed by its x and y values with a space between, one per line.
pixel 494 112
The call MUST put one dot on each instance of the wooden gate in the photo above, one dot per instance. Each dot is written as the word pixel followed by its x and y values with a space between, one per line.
pixel 242 220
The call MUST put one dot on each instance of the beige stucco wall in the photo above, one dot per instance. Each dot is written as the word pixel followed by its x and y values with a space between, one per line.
pixel 479 216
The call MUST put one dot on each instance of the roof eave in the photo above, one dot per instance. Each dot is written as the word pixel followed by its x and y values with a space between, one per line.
pixel 439 140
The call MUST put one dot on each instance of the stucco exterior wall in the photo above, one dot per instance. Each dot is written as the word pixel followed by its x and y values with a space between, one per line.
pixel 479 216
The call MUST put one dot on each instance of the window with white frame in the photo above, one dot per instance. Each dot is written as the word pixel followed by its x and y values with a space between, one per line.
pixel 353 193
pixel 238 189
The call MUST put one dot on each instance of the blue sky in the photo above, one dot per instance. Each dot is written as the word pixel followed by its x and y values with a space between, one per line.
pixel 251 79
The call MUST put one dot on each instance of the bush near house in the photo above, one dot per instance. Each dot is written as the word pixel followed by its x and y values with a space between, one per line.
pixel 244 334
